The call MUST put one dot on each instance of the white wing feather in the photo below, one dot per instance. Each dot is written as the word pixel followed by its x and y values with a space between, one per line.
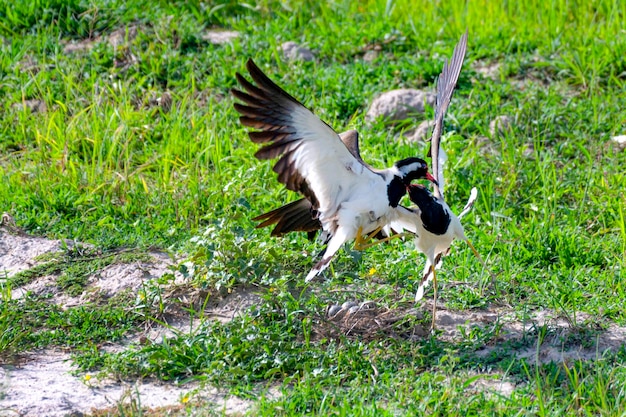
pixel 313 159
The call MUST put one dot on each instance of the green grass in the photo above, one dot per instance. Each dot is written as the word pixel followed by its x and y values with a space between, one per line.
pixel 104 164
pixel 35 323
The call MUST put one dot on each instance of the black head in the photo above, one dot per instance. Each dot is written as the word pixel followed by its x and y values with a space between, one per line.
pixel 413 169
pixel 419 195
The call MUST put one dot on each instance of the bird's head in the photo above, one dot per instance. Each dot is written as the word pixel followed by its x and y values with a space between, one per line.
pixel 418 192
pixel 413 169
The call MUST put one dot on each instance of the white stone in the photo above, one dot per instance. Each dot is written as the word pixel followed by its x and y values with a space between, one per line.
pixel 620 141
pixel 294 52
pixel 400 104
pixel 370 56
pixel 219 37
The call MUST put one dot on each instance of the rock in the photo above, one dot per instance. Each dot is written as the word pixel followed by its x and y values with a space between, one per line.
pixel 620 141
pixel 294 52
pixel 400 104
pixel 219 37
pixel 116 39
pixel 78 47
pixel 422 133
pixel 35 106
pixel 499 125
pixel 119 37
pixel 370 56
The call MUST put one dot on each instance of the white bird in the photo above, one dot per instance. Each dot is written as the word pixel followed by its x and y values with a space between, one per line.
pixel 299 215
pixel 349 198
pixel 432 222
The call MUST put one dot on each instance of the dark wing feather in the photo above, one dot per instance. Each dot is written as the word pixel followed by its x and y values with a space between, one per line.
pixel 312 159
pixel 351 140
pixel 445 87
pixel 298 216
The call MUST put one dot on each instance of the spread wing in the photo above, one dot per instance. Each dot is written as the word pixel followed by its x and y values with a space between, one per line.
pixel 299 215
pixel 445 87
pixel 313 159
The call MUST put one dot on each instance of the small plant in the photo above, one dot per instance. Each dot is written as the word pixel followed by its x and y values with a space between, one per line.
pixel 11 331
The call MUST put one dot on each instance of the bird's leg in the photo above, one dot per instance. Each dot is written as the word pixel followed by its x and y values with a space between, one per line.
pixel 493 277
pixel 432 270
pixel 383 240
pixel 359 242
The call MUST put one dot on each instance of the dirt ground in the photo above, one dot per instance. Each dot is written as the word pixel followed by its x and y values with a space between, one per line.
pixel 43 384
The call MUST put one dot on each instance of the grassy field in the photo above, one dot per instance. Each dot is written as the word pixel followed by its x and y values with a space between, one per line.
pixel 92 150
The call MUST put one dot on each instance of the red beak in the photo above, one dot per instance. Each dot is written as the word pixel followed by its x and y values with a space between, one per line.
pixel 431 179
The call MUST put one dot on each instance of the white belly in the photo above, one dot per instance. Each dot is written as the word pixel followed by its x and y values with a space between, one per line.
pixel 365 207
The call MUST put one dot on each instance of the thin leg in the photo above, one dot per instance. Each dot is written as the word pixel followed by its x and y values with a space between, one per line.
pixel 379 241
pixel 358 241
pixel 432 269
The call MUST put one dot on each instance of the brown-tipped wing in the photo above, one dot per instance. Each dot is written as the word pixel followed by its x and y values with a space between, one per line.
pixel 445 87
pixel 297 216
pixel 313 159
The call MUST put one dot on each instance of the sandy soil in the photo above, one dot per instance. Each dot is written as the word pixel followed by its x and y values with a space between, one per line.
pixel 43 383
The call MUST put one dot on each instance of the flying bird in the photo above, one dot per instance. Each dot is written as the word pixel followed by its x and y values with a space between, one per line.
pixel 349 198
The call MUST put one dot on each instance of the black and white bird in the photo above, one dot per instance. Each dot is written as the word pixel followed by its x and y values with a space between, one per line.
pixel 432 222
pixel 299 215
pixel 349 198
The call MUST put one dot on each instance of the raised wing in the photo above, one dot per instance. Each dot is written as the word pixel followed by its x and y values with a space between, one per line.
pixel 299 216
pixel 445 87
pixel 313 159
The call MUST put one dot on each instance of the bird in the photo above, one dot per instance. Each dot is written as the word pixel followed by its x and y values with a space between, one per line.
pixel 299 215
pixel 432 222
pixel 348 197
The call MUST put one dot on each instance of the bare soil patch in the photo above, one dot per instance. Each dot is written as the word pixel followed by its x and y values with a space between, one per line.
pixel 44 384
pixel 562 340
